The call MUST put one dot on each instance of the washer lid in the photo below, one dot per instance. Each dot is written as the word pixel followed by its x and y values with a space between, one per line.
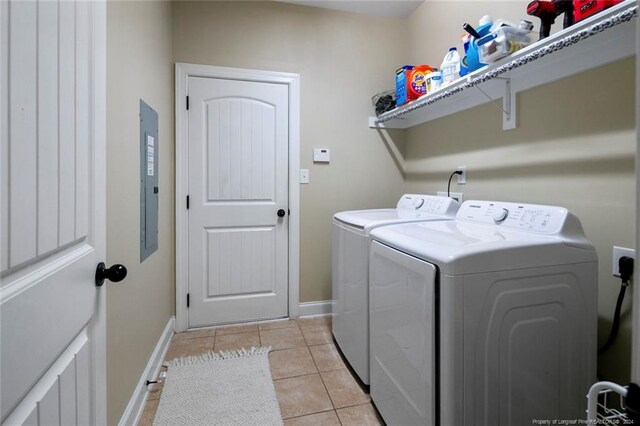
pixel 411 207
pixel 471 244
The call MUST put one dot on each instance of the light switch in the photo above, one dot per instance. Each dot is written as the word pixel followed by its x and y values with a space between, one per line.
pixel 304 175
pixel 321 155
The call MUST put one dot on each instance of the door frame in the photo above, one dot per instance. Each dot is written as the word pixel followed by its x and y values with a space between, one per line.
pixel 183 72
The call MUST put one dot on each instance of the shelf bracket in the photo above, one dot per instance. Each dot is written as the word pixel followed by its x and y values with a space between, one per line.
pixel 373 124
pixel 508 107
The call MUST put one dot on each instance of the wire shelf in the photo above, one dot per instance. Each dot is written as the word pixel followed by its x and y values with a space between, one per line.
pixel 606 403
pixel 600 39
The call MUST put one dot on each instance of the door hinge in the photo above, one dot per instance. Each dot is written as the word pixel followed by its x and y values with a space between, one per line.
pixel 187 103
pixel 289 212
pixel 187 202
pixel 188 301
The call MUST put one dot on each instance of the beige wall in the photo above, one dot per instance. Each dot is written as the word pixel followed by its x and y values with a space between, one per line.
pixel 574 147
pixel 139 67
pixel 575 142
pixel 343 59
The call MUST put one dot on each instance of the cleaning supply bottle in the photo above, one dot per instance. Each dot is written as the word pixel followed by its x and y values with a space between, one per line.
pixel 450 66
pixel 473 60
pixel 417 81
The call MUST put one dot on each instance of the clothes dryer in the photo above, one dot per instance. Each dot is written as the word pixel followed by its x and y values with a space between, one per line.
pixel 351 268
pixel 489 319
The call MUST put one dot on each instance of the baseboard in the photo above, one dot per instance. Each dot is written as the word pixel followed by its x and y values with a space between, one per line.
pixel 135 407
pixel 309 309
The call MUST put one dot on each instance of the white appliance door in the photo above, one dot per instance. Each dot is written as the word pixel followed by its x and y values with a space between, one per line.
pixel 52 355
pixel 402 327
pixel 238 193
pixel 350 323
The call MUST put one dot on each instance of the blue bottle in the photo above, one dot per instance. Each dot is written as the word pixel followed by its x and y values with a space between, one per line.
pixel 473 61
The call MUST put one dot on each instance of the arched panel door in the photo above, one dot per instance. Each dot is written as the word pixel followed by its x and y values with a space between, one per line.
pixel 238 201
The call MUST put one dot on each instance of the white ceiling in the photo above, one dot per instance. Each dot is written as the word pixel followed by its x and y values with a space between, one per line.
pixel 392 8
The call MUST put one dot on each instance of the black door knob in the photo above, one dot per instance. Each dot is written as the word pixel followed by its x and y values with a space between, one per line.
pixel 115 273
pixel 281 213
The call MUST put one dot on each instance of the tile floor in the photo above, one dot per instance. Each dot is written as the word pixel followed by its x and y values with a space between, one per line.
pixel 312 382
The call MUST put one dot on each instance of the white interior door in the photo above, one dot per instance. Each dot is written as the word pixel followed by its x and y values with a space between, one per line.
pixel 238 183
pixel 52 354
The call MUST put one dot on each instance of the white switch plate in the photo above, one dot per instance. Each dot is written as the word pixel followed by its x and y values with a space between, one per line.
pixel 321 155
pixel 455 195
pixel 304 175
pixel 618 252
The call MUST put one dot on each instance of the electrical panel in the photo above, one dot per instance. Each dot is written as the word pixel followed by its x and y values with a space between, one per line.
pixel 149 147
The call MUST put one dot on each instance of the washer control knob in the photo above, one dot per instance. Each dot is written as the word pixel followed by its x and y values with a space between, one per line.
pixel 419 202
pixel 500 215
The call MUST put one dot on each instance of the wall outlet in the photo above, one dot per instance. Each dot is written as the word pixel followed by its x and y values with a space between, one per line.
pixel 455 195
pixel 618 252
pixel 462 179
pixel 304 175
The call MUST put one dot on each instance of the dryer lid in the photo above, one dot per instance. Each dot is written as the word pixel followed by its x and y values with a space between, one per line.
pixel 410 207
pixel 479 240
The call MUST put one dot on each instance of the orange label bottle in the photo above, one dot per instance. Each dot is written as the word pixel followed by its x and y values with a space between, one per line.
pixel 417 81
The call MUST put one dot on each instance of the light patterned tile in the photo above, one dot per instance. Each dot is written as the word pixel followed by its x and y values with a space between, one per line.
pixel 149 413
pixel 327 357
pixel 195 334
pixel 274 325
pixel 343 389
pixel 315 321
pixel 233 342
pixel 328 418
pixel 237 329
pixel 156 391
pixel 317 334
pixel 299 396
pixel 190 347
pixel 291 363
pixel 360 415
pixel 282 338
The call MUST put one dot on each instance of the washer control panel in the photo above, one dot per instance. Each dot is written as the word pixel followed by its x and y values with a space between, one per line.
pixel 525 217
pixel 427 204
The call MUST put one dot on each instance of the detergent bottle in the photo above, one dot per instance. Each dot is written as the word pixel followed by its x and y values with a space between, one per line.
pixel 417 81
pixel 473 61
pixel 450 67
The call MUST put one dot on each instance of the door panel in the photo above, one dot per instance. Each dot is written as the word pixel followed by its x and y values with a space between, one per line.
pixel 241 150
pixel 22 107
pixel 240 261
pixel 52 211
pixel 238 180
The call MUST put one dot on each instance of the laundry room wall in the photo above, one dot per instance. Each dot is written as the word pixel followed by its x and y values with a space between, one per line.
pixel 139 66
pixel 343 59
pixel 574 147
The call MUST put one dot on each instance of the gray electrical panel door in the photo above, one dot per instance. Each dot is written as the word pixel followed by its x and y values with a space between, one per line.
pixel 149 148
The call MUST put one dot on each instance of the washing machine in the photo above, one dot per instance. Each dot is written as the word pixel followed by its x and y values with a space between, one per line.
pixel 489 319
pixel 350 304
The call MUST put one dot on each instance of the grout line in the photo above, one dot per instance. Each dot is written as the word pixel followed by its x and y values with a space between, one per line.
pixel 234 334
pixel 327 390
pixel 293 377
pixel 313 414
pixel 355 405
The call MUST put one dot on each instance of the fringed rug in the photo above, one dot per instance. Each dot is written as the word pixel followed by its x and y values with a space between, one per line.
pixel 224 388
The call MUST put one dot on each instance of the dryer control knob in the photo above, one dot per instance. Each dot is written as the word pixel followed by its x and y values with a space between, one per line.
pixel 418 203
pixel 500 215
